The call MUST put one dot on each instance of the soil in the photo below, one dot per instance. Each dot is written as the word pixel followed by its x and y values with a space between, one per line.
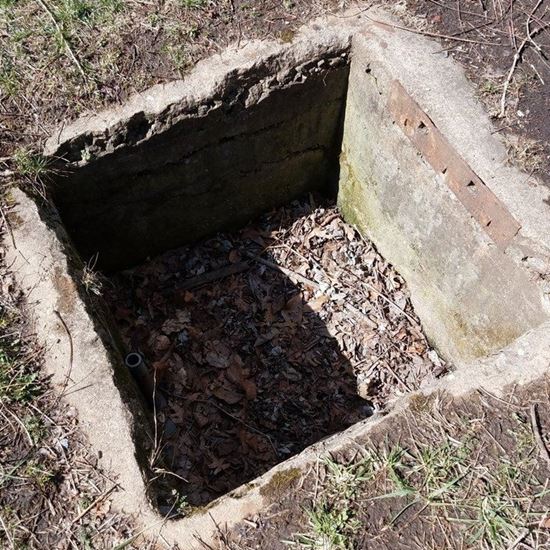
pixel 496 433
pixel 496 32
pixel 122 50
pixel 309 332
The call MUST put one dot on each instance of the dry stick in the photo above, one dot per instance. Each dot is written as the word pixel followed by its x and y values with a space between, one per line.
pixel 288 272
pixel 94 503
pixel 9 228
pixel 544 454
pixel 259 432
pixel 71 354
pixel 16 418
pixel 292 274
pixel 211 276
pixel 366 283
pixel 456 9
pixel 8 535
pixel 519 539
pixel 518 55
pixel 433 34
pixel 65 41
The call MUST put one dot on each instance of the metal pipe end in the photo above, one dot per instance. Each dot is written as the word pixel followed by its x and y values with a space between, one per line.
pixel 133 360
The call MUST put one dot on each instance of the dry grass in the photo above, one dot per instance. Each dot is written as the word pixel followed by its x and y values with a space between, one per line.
pixel 464 475
pixel 59 58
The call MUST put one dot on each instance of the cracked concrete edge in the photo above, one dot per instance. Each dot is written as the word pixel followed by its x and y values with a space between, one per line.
pixel 256 65
pixel 434 80
pixel 38 255
pixel 74 355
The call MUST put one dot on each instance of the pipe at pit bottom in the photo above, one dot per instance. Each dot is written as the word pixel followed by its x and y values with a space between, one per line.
pixel 141 374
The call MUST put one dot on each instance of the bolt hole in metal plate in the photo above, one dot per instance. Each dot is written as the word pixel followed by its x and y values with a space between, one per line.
pixel 476 197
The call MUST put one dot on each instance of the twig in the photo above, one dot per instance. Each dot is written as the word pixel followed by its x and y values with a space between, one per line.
pixel 8 225
pixel 544 454
pixel 94 503
pixel 8 535
pixel 288 272
pixel 396 376
pixel 65 41
pixel 211 276
pixel 22 426
pixel 433 34
pixel 518 55
pixel 456 9
pixel 221 409
pixel 519 538
pixel 71 353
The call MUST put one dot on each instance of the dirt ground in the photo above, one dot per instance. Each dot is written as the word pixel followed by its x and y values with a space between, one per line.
pixel 483 485
pixel 503 46
pixel 448 474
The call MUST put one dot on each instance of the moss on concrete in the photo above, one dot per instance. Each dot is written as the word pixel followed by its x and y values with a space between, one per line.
pixel 280 482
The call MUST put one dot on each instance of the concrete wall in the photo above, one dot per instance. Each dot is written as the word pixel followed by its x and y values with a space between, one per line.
pixel 472 297
pixel 263 140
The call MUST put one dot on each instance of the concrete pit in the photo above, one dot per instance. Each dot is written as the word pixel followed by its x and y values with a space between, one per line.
pixel 354 107
pixel 265 341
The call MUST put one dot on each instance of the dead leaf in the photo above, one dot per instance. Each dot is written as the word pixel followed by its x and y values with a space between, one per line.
pixel 235 256
pixel 181 321
pixel 318 303
pixel 229 396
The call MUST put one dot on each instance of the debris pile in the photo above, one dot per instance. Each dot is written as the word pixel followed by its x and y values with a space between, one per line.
pixel 266 340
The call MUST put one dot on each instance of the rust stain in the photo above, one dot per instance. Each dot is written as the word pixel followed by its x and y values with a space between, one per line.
pixel 468 187
pixel 66 291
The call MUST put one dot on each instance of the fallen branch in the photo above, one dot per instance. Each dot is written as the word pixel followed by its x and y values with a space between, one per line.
pixel 71 355
pixel 211 276
pixel 288 272
pixel 518 55
pixel 99 499
pixel 433 34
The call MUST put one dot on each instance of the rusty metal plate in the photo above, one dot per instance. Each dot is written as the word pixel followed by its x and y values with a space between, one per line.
pixel 470 190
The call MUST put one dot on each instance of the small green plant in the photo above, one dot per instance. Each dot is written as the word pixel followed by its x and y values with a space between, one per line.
pixel 38 475
pixel 489 88
pixel 9 84
pixel 193 4
pixel 35 427
pixel 346 479
pixel 91 279
pixel 180 504
pixel 16 385
pixel 30 164
pixel 331 528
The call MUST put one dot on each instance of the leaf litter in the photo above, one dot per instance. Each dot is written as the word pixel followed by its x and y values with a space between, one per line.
pixel 268 339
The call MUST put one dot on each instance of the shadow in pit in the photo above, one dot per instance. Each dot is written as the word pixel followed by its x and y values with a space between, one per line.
pixel 250 372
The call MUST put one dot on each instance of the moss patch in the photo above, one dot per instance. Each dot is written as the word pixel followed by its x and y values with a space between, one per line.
pixel 280 482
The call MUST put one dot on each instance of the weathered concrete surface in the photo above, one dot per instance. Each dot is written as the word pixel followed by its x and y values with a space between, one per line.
pixel 79 352
pixel 471 296
pixel 184 164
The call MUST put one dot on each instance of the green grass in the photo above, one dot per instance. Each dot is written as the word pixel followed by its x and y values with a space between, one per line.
pixel 17 384
pixel 193 3
pixel 331 528
pixel 30 165
pixel 464 485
